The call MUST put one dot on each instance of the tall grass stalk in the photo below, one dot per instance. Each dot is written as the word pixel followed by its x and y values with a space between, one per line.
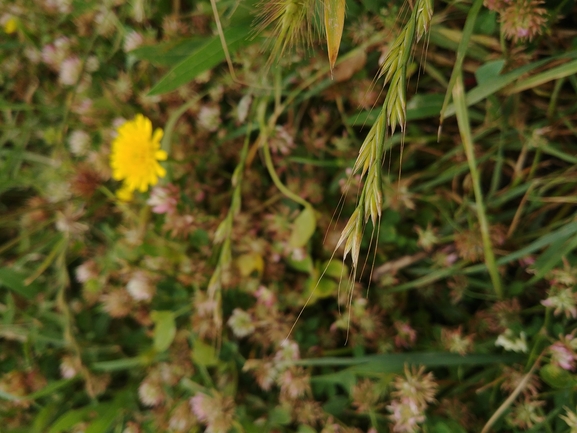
pixel 465 131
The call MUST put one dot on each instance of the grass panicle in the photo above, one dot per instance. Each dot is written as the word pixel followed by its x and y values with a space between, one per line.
pixel 293 25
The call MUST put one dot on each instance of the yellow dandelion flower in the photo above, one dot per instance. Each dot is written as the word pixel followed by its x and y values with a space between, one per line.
pixel 125 194
pixel 135 155
pixel 11 25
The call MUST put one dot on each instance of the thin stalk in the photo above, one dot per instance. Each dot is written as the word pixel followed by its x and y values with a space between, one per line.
pixel 522 385
pixel 276 180
pixel 465 131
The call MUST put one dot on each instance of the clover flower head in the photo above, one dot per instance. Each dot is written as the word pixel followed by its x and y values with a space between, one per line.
pixel 511 343
pixel 570 419
pixel 70 70
pixel 241 323
pixel 163 199
pixel 150 392
pixel 79 142
pixel 563 300
pixel 132 41
pixel 140 287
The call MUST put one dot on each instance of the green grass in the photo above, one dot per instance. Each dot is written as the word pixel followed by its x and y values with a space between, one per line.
pixel 234 296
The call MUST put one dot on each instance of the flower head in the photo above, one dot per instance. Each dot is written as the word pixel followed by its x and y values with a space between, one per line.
pixel 570 419
pixel 416 387
pixel 563 352
pixel 563 300
pixel 140 287
pixel 132 41
pixel 10 25
pixel 79 142
pixel 135 155
pixel 241 323
pixel 164 199
pixel 150 392
pixel 510 342
pixel 523 19
pixel 526 414
pixel 70 70
pixel 216 412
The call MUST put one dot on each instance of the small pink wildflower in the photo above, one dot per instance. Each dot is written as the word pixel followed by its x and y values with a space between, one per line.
pixel 265 297
pixel 132 41
pixel 563 352
pixel 294 383
pixel 164 199
pixel 69 367
pixel 562 356
pixel 405 415
pixel 140 287
pixel 54 54
pixel 200 406
pixel 215 412
pixel 70 70
pixel 150 392
pixel 406 336
pixel 289 351
pixel 563 300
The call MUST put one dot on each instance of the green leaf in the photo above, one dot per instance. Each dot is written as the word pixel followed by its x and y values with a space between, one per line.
pixel 316 289
pixel 42 420
pixel 304 265
pixel 279 416
pixel 489 71
pixel 51 388
pixel 335 269
pixel 461 53
pixel 108 413
pixel 336 405
pixel 249 263
pixel 14 281
pixel 204 354
pixel 394 362
pixel 562 71
pixel 556 377
pixel 69 419
pixel 203 59
pixel 164 329
pixel 345 378
pixel 169 53
pixel 303 228
pixel 119 364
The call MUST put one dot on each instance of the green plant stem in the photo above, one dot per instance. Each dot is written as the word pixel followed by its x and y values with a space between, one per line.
pixel 276 180
pixel 465 131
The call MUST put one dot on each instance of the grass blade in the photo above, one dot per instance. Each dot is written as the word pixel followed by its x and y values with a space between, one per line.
pixel 465 131
pixel 461 53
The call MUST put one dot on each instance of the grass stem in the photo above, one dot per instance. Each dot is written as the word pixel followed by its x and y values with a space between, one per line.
pixel 465 131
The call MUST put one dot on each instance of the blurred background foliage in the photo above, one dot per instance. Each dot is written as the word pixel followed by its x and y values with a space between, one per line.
pixel 304 265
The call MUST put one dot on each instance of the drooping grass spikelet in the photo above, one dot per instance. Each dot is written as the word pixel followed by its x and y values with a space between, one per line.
pixel 424 13
pixel 393 112
pixel 400 52
pixel 395 104
pixel 293 24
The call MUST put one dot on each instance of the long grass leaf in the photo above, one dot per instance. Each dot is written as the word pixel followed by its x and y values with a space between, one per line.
pixel 544 77
pixel 461 53
pixel 466 137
